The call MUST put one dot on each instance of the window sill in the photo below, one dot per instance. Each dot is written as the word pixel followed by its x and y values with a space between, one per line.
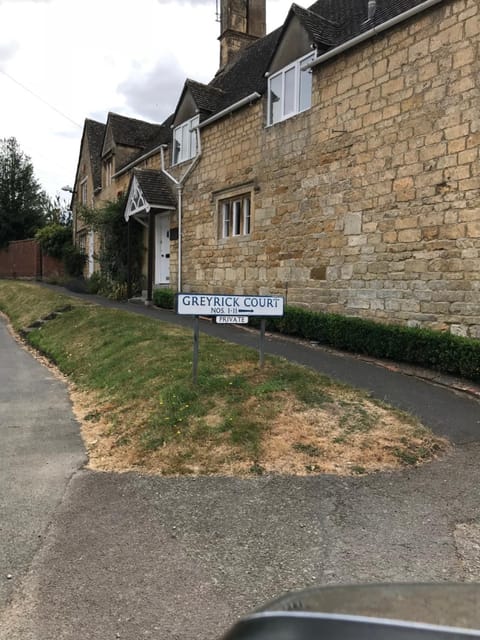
pixel 286 118
pixel 234 239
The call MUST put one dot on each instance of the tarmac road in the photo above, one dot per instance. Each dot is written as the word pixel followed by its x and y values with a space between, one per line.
pixel 126 556
pixel 40 450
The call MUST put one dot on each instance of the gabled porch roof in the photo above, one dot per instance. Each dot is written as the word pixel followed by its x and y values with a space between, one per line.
pixel 148 189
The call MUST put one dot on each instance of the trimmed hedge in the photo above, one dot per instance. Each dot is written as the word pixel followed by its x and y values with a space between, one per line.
pixel 442 352
pixel 164 298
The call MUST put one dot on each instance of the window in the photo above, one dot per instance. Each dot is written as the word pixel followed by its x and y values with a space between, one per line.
pixel 83 192
pixel 185 140
pixel 108 171
pixel 235 216
pixel 82 241
pixel 290 90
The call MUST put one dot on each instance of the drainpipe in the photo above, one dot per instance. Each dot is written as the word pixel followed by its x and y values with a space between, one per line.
pixel 179 185
pixel 179 256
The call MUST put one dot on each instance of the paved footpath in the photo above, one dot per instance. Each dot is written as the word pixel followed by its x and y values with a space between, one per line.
pixel 103 555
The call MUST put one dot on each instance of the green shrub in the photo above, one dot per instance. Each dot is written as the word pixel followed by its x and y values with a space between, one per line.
pixel 55 239
pixel 164 298
pixel 96 283
pixel 443 352
pixel 99 283
pixel 74 260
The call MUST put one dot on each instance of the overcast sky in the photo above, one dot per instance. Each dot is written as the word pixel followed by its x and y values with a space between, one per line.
pixel 62 61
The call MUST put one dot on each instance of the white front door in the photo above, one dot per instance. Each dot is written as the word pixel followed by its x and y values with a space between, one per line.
pixel 91 249
pixel 162 249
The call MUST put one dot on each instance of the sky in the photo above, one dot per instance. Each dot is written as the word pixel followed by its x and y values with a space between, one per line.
pixel 62 61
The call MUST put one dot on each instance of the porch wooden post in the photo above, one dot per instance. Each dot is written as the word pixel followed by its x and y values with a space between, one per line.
pixel 151 255
pixel 129 258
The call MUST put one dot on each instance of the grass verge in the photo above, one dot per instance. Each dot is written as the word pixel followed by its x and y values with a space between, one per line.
pixel 139 409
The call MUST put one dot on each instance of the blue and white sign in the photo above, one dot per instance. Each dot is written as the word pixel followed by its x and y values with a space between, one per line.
pixel 202 304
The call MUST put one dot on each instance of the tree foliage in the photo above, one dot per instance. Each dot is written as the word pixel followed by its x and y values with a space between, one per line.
pixel 55 238
pixel 58 212
pixel 23 204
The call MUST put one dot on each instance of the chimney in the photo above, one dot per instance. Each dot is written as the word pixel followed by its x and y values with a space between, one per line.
pixel 241 22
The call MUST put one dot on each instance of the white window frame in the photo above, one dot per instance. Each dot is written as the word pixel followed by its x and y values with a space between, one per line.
pixel 186 134
pixel 108 171
pixel 247 216
pixel 294 67
pixel 235 216
pixel 83 192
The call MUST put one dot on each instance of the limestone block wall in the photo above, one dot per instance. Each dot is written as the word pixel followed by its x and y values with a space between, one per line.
pixel 368 203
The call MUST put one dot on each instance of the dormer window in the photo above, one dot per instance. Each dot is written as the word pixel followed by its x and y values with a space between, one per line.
pixel 290 90
pixel 185 140
pixel 83 192
pixel 108 167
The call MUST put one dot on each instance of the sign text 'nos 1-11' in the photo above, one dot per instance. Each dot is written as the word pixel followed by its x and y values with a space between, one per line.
pixel 228 309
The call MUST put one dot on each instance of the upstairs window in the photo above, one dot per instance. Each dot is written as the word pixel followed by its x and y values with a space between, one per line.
pixel 83 192
pixel 235 216
pixel 108 171
pixel 185 140
pixel 290 90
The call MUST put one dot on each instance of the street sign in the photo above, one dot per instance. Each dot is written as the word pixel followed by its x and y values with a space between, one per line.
pixel 228 309
pixel 202 304
pixel 232 319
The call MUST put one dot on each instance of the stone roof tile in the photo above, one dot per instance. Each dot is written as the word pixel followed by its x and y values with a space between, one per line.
pixel 156 187
pixel 329 22
pixel 94 132
pixel 131 132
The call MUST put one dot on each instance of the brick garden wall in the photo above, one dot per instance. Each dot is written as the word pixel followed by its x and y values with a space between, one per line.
pixel 367 204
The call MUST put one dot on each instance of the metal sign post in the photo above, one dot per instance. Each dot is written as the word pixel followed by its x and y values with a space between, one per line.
pixel 227 309
pixel 261 360
pixel 196 334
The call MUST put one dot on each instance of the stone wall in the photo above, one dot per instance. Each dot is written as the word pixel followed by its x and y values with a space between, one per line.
pixel 366 204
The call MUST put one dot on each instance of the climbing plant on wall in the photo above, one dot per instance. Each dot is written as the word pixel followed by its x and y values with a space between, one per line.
pixel 108 220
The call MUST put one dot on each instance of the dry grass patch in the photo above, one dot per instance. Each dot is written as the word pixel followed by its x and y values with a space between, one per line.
pixel 352 435
pixel 300 440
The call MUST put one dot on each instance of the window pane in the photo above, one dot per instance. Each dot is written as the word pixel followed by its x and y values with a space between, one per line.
pixel 246 216
pixel 237 217
pixel 289 99
pixel 275 112
pixel 193 136
pixel 185 141
pixel 226 219
pixel 306 86
pixel 177 144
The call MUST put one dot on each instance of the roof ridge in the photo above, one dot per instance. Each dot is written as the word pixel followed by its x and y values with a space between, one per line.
pixel 130 119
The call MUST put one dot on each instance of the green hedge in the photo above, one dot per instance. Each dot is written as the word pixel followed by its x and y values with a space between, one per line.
pixel 443 352
pixel 164 298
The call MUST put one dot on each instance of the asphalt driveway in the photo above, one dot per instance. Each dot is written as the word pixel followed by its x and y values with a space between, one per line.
pixel 103 555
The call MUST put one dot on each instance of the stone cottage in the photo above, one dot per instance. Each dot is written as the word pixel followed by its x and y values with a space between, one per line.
pixel 334 161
